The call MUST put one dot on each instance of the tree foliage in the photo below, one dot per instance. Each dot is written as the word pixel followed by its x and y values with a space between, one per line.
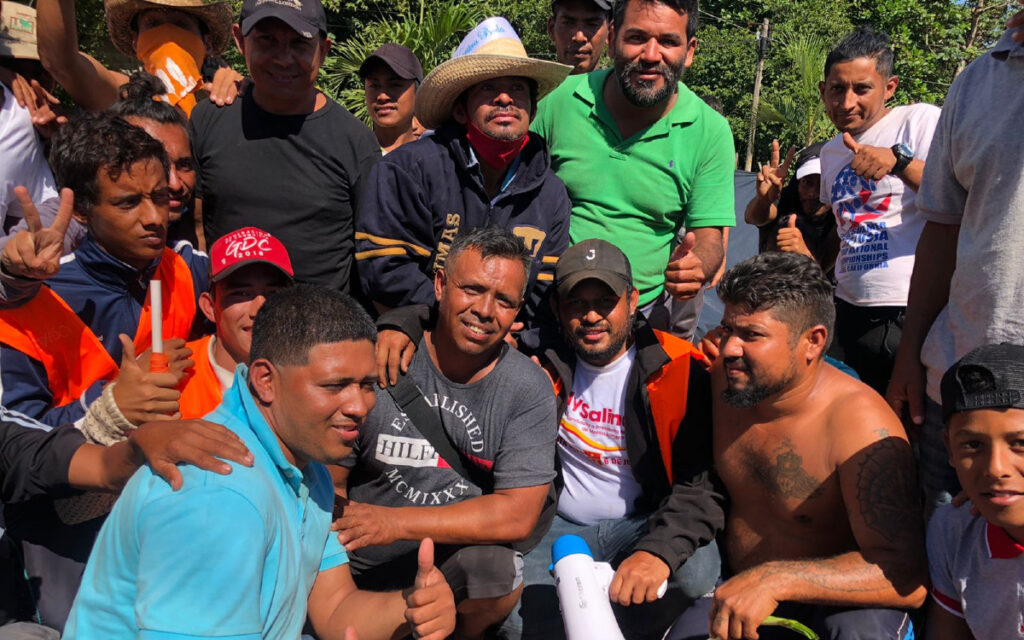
pixel 800 109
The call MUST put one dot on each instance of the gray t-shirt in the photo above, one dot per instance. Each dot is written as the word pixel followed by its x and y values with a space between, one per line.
pixel 505 423
pixel 977 573
pixel 973 178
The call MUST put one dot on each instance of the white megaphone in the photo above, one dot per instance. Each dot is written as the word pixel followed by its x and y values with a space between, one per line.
pixel 582 587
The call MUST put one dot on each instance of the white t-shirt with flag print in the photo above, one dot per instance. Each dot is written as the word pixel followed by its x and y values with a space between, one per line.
pixel 877 220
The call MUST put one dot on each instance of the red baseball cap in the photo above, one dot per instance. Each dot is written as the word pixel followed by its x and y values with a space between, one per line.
pixel 247 246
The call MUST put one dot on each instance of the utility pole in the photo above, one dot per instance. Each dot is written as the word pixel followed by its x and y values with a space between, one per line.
pixel 763 44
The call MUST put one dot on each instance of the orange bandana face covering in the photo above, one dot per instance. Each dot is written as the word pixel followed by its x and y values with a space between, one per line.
pixel 174 55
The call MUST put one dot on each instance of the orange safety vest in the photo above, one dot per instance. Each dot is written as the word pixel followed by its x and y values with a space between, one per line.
pixel 48 330
pixel 666 391
pixel 201 393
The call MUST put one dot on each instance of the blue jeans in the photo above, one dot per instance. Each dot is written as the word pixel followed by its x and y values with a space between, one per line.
pixel 537 616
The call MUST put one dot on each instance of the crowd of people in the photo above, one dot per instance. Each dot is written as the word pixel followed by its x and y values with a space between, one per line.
pixel 268 372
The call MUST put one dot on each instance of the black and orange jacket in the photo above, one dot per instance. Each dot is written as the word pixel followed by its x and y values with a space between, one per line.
pixel 668 427
pixel 59 341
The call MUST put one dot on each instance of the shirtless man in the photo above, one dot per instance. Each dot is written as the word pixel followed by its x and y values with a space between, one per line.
pixel 824 524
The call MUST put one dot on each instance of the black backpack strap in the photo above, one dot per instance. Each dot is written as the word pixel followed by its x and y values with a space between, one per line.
pixel 409 398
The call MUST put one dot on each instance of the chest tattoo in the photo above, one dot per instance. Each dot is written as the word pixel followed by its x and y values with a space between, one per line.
pixel 785 476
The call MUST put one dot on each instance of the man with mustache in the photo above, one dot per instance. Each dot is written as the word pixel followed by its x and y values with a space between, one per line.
pixel 643 497
pixel 495 409
pixel 481 167
pixel 579 31
pixel 643 157
pixel 824 523
pixel 391 75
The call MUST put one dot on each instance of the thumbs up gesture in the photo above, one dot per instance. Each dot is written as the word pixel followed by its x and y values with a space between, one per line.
pixel 871 163
pixel 143 396
pixel 430 604
pixel 790 240
pixel 684 275
pixel 36 253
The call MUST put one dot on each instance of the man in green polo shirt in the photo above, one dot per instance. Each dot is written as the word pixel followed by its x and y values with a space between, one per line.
pixel 643 157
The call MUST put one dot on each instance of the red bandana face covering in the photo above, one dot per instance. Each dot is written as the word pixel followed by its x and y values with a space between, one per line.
pixel 496 153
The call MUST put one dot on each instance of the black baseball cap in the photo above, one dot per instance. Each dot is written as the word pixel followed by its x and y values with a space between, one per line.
pixel 595 259
pixel 399 59
pixel 989 377
pixel 305 16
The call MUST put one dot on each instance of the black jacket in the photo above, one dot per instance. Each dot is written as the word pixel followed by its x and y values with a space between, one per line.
pixel 689 512
pixel 34 458
pixel 421 196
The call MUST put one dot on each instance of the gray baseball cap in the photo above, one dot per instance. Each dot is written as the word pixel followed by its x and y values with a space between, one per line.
pixel 595 259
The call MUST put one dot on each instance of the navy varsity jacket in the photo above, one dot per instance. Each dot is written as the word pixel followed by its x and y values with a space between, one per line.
pixel 422 195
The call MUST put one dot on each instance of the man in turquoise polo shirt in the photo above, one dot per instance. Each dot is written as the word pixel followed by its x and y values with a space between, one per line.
pixel 643 157
pixel 240 556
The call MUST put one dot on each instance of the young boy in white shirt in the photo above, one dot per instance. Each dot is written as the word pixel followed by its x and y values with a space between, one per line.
pixel 976 550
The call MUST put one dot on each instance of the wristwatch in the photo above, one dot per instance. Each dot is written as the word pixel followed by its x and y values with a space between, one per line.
pixel 903 155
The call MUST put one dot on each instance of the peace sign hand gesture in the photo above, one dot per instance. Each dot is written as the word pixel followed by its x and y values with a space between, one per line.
pixel 36 253
pixel 769 180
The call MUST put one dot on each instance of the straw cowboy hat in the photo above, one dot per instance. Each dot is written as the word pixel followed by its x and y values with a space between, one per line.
pixel 215 14
pixel 491 50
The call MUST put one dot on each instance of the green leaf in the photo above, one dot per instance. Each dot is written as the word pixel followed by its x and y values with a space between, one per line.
pixel 786 623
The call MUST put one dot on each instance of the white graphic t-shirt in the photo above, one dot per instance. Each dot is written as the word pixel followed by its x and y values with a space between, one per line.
pixel 599 482
pixel 877 220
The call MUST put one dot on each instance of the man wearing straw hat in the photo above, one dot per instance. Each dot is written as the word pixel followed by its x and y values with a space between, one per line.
pixel 482 167
pixel 171 38
pixel 68 353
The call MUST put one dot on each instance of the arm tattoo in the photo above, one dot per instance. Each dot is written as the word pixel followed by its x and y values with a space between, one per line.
pixel 787 477
pixel 887 490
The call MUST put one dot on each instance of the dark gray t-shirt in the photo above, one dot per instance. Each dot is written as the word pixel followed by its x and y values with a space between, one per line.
pixel 505 423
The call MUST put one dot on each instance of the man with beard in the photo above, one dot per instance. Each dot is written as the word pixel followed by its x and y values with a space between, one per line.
pixel 642 496
pixel 644 157
pixel 824 523
pixel 481 167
